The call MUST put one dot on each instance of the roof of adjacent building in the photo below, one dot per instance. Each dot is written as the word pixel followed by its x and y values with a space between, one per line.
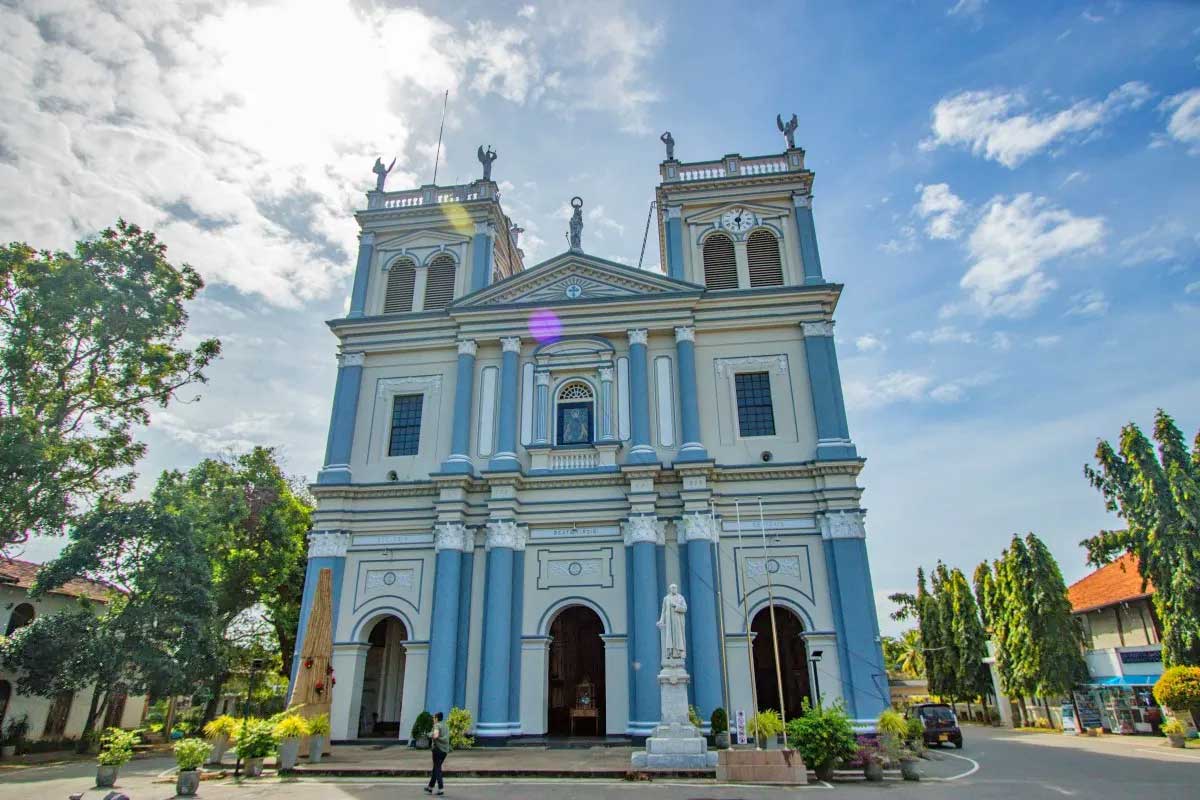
pixel 21 574
pixel 1113 583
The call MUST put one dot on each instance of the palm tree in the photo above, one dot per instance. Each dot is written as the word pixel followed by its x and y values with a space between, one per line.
pixel 910 656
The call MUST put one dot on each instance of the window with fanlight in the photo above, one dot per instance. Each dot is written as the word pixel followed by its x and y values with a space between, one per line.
pixel 576 414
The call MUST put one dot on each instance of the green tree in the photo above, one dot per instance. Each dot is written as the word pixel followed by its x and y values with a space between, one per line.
pixel 984 586
pixel 1158 497
pixel 1057 643
pixel 89 342
pixel 970 640
pixel 1010 623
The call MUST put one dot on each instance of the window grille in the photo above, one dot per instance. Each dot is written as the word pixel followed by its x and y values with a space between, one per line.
pixel 406 425
pixel 402 276
pixel 766 268
pixel 576 391
pixel 439 283
pixel 720 266
pixel 756 415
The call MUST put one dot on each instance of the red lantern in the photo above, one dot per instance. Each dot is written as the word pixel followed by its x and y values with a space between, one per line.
pixel 308 662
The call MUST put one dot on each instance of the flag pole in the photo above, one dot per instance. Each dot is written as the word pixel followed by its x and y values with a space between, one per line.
pixel 437 157
pixel 774 629
pixel 712 516
pixel 758 745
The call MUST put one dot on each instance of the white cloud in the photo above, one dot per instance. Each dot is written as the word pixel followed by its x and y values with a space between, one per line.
pixel 1046 341
pixel 895 387
pixel 1001 341
pixel 1192 288
pixel 1184 124
pixel 945 334
pixel 1161 242
pixel 1011 246
pixel 989 121
pixel 906 242
pixel 869 343
pixel 940 208
pixel 1091 303
pixel 1077 175
pixel 966 8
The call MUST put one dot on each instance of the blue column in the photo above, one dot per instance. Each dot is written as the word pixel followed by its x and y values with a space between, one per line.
pixel 692 448
pixel 674 243
pixel 496 671
pixel 450 539
pixel 864 680
pixel 326 550
pixel 362 274
pixel 460 437
pixel 505 458
pixel 481 256
pixel 807 231
pixel 702 608
pixel 641 451
pixel 466 578
pixel 514 667
pixel 825 386
pixel 341 423
pixel 642 535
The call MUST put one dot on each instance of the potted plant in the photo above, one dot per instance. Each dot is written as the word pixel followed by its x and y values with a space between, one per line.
pixel 720 728
pixel 908 765
pixel 872 761
pixel 1179 691
pixel 288 732
pixel 1175 731
pixel 824 737
pixel 422 727
pixel 765 727
pixel 318 731
pixel 459 722
pixel 14 734
pixel 190 755
pixel 116 749
pixel 220 732
pixel 255 742
pixel 914 735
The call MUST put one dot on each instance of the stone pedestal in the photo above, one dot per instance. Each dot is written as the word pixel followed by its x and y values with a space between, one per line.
pixel 675 744
pixel 761 766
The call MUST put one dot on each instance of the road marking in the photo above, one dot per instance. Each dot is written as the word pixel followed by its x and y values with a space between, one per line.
pixel 974 768
pixel 1169 752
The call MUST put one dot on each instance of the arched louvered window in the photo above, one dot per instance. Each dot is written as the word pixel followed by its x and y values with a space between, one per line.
pixel 401 277
pixel 439 283
pixel 762 251
pixel 720 267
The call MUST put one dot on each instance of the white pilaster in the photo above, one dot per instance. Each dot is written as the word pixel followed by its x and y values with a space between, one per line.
pixel 416 668
pixel 349 662
pixel 616 684
pixel 535 671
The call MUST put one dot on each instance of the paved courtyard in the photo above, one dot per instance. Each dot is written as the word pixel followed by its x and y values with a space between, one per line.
pixel 994 764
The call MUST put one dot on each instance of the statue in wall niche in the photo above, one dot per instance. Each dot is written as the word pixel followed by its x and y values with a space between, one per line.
pixel 381 172
pixel 788 130
pixel 486 157
pixel 669 141
pixel 671 623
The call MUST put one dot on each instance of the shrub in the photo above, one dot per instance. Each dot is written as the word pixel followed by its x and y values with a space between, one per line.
pixel 319 725
pixel 824 736
pixel 292 726
pixel 764 725
pixel 1173 727
pixel 223 725
pixel 719 720
pixel 1179 689
pixel 191 753
pixel 16 730
pixel 694 717
pixel 459 723
pixel 422 726
pixel 892 729
pixel 116 747
pixel 256 739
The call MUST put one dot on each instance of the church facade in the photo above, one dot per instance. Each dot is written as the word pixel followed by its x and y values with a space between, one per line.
pixel 520 461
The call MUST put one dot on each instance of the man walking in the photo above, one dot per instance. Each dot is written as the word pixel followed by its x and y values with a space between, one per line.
pixel 440 747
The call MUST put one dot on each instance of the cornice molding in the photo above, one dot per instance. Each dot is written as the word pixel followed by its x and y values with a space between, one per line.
pixel 846 524
pixel 329 544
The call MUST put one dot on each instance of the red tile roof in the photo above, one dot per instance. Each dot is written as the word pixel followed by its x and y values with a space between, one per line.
pixel 1111 584
pixel 14 572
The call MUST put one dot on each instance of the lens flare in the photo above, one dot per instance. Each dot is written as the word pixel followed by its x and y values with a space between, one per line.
pixel 544 325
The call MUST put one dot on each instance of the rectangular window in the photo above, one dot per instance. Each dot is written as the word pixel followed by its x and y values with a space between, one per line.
pixel 756 416
pixel 406 425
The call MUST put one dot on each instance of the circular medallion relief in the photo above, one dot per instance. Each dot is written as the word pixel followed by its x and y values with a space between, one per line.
pixel 573 291
pixel 772 566
pixel 389 578
pixel 575 568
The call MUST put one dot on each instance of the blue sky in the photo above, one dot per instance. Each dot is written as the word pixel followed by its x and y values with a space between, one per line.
pixel 1008 192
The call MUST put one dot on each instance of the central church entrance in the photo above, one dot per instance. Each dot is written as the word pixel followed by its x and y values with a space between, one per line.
pixel 383 681
pixel 793 662
pixel 576 692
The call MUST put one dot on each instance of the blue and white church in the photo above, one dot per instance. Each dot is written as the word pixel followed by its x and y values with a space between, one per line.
pixel 521 460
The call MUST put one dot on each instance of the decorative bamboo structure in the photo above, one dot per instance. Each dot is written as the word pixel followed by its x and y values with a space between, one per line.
pixel 313 691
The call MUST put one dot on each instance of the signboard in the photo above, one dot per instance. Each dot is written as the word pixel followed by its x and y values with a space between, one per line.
pixel 1069 724
pixel 740 726
pixel 1088 713
pixel 1141 656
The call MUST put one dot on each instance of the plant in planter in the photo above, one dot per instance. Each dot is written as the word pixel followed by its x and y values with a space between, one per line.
pixel 116 749
pixel 459 722
pixel 720 728
pixel 255 742
pixel 422 727
pixel 288 731
pixel 14 735
pixel 1179 690
pixel 893 729
pixel 694 718
pixel 318 732
pixel 824 737
pixel 220 732
pixel 872 761
pixel 914 735
pixel 190 755
pixel 1175 731
pixel 765 727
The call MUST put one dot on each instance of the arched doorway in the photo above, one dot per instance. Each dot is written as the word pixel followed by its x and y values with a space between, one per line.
pixel 576 674
pixel 793 661
pixel 383 680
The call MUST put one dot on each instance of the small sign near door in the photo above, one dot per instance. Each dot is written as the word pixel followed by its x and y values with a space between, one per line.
pixel 740 725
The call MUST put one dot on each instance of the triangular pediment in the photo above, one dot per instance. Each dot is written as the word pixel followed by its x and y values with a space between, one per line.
pixel 421 238
pixel 573 278
pixel 761 210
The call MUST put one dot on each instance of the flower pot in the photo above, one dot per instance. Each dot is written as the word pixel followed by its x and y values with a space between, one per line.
pixel 187 783
pixel 722 740
pixel 873 770
pixel 1177 740
pixel 106 775
pixel 219 745
pixel 289 753
pixel 8 751
pixel 316 744
pixel 824 770
pixel 254 767
pixel 908 769
pixel 771 742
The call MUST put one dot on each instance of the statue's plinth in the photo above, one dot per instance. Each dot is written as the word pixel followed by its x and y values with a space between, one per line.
pixel 676 744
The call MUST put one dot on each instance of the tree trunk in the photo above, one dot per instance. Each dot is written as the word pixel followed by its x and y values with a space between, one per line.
pixel 1024 712
pixel 969 717
pixel 286 634
pixel 169 719
pixel 986 717
pixel 1049 717
pixel 95 709
pixel 215 687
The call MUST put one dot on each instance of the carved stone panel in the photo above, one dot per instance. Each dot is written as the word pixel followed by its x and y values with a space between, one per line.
pixel 575 568
pixel 396 579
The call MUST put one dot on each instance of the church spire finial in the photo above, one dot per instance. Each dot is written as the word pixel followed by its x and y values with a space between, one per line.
pixel 576 235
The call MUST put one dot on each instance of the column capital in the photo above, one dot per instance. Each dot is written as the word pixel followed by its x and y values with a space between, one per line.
pixel 845 524
pixel 505 533
pixel 541 378
pixel 452 536
pixel 685 333
pixel 645 528
pixel 351 359
pixel 329 544
pixel 467 347
pixel 485 228
pixel 511 344
pixel 606 374
pixel 802 200
pixel 697 526
pixel 637 336
pixel 367 238
pixel 674 212
pixel 817 328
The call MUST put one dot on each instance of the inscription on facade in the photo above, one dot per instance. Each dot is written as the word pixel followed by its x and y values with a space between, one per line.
pixel 575 568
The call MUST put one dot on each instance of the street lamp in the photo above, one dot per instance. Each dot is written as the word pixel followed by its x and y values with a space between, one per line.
pixel 814 658
pixel 255 666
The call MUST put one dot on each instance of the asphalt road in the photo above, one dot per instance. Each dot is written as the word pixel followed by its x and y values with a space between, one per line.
pixel 993 764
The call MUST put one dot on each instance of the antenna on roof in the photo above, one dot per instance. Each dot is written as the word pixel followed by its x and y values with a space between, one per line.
pixel 437 156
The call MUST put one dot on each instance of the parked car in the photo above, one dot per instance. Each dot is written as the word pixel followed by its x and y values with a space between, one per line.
pixel 941 725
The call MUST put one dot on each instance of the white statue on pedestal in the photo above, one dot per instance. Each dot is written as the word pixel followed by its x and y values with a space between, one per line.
pixel 671 623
